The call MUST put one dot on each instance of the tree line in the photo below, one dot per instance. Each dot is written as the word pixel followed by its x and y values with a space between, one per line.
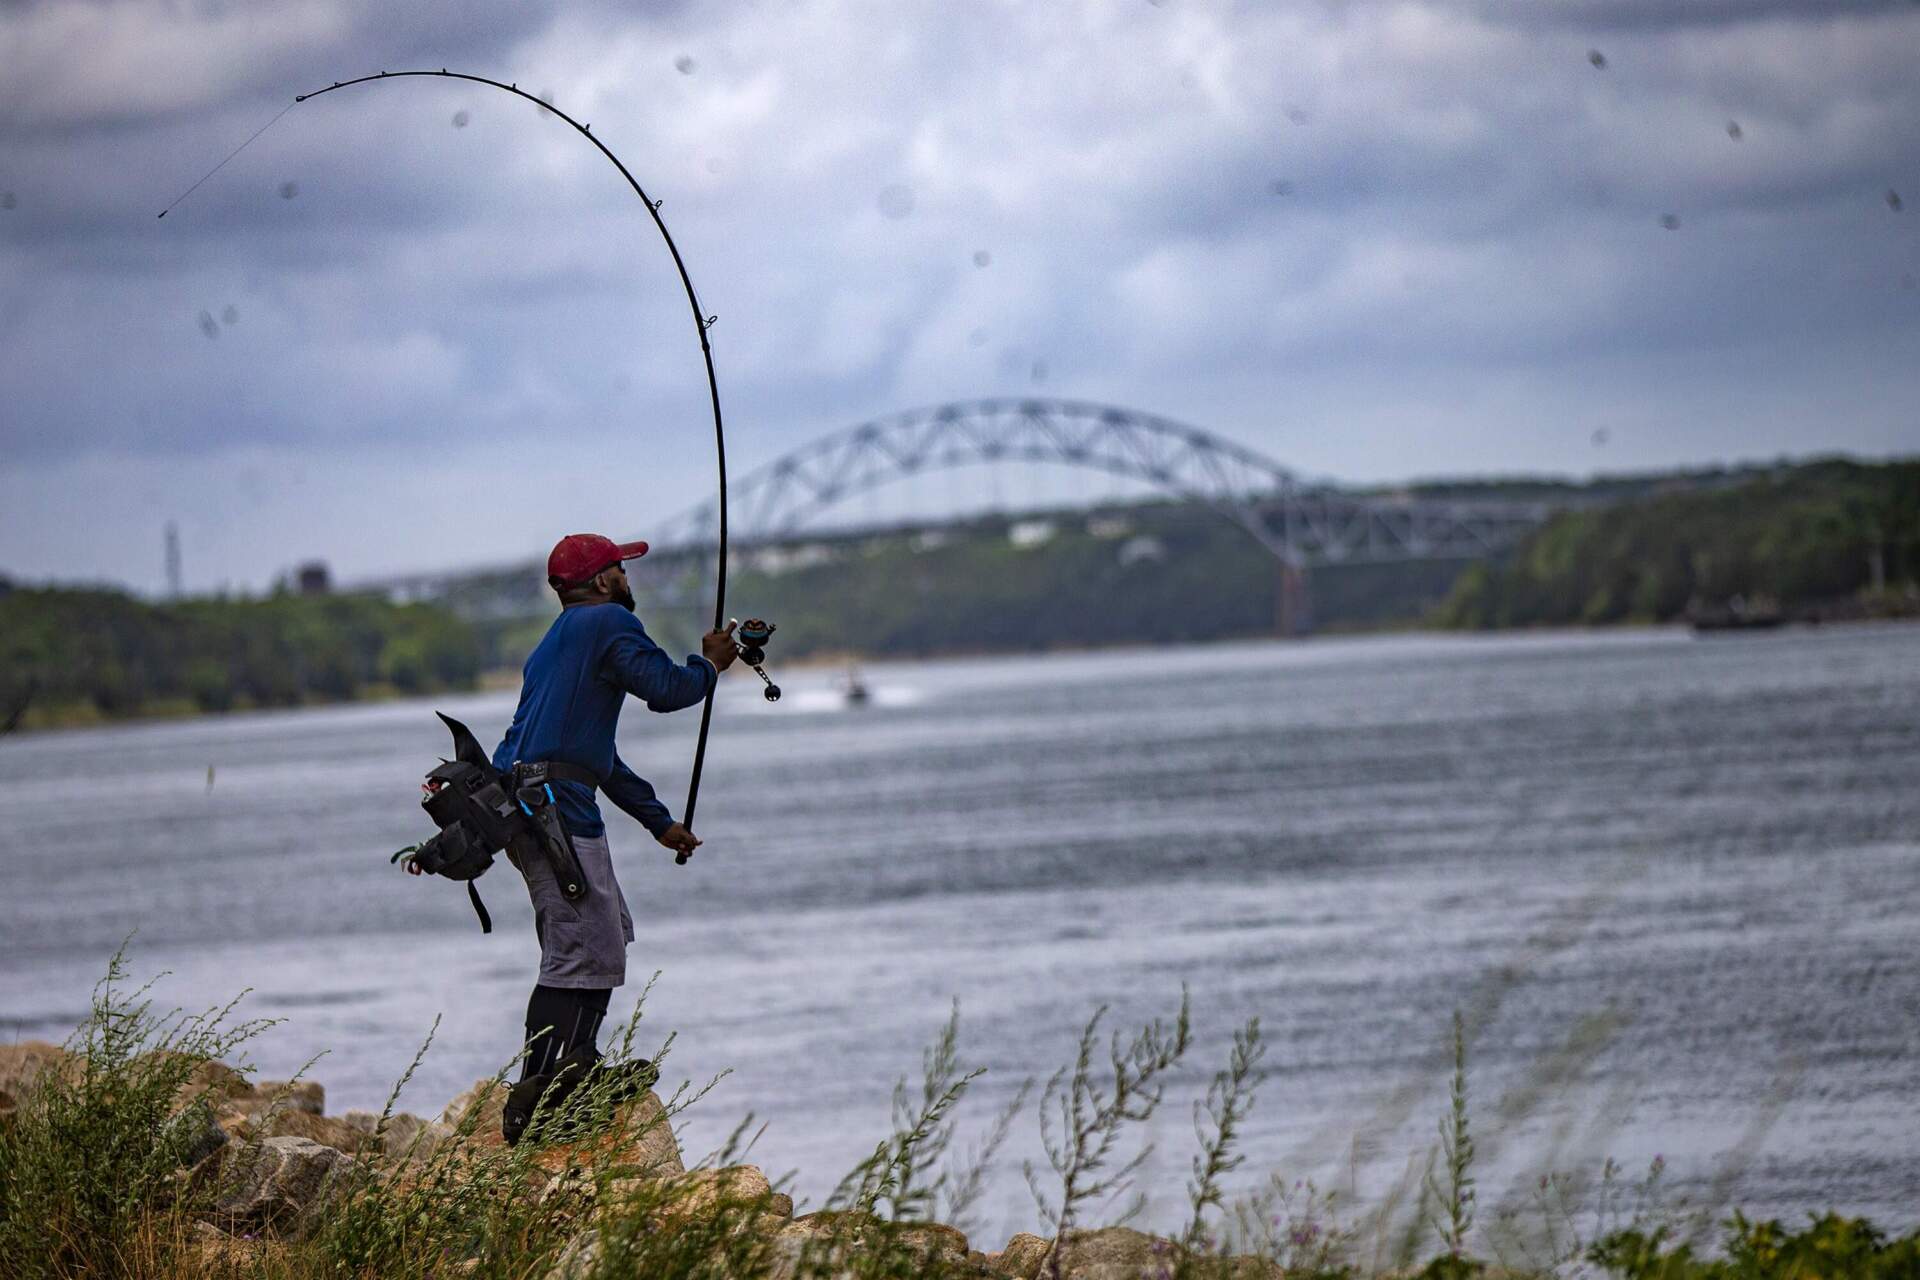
pixel 1825 540
pixel 73 654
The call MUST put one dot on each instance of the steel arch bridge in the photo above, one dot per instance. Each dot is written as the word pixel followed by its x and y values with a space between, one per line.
pixel 1300 524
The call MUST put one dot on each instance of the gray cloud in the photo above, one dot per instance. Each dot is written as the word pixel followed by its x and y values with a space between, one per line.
pixel 1468 269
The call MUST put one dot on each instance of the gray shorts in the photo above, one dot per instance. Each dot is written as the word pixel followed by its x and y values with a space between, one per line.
pixel 584 943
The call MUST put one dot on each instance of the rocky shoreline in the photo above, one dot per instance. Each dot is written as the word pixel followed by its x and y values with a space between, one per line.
pixel 268 1165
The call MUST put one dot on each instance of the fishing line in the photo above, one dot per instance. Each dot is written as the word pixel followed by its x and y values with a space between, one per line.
pixel 702 323
pixel 230 155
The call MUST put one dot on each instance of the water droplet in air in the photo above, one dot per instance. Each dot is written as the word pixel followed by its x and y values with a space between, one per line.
pixel 896 200
pixel 981 258
pixel 1597 58
pixel 1734 130
pixel 460 119
pixel 684 65
pixel 1671 221
pixel 288 190
pixel 230 314
pixel 208 325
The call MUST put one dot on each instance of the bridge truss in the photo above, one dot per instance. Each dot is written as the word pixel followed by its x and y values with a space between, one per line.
pixel 1298 523
pixel 1301 524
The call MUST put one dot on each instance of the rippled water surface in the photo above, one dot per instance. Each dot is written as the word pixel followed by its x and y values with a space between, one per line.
pixel 1673 884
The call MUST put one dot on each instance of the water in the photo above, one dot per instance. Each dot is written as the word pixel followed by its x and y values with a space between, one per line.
pixel 1671 883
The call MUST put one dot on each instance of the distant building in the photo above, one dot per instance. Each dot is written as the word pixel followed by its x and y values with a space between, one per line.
pixel 313 579
pixel 774 561
pixel 1030 533
pixel 1144 547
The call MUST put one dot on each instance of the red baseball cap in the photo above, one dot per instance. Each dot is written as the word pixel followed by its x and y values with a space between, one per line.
pixel 579 556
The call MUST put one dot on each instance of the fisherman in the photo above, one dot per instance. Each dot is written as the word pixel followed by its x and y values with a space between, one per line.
pixel 573 686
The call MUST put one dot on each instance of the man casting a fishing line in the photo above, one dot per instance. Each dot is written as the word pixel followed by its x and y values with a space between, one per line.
pixel 560 749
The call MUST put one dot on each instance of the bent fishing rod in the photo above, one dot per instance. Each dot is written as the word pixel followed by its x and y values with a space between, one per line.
pixel 753 628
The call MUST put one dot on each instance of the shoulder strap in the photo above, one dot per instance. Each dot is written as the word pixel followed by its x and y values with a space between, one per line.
pixel 480 908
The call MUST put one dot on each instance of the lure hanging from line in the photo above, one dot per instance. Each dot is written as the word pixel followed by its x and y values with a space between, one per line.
pixel 701 320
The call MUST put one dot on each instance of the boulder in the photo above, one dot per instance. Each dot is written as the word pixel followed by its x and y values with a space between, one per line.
pixel 328 1131
pixel 579 1260
pixel 740 1188
pixel 224 1254
pixel 217 1082
pixel 204 1135
pixel 22 1064
pixel 1022 1256
pixel 489 1097
pixel 398 1137
pixel 1116 1253
pixel 638 1143
pixel 272 1184
pixel 831 1238
pixel 309 1096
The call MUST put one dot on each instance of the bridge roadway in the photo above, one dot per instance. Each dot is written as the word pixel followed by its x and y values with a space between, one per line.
pixel 1300 524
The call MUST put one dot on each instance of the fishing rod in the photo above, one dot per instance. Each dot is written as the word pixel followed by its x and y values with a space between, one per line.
pixel 702 324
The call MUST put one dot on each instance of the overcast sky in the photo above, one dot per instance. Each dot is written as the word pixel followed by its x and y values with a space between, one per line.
pixel 422 323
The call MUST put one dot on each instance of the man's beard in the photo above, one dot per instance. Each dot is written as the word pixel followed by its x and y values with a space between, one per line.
pixel 625 599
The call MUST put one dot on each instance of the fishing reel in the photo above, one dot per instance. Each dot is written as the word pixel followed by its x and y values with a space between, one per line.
pixel 752 636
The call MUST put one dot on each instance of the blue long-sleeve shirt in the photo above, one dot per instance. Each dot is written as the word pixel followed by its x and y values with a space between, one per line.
pixel 571 691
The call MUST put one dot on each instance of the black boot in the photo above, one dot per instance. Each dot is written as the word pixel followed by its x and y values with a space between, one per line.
pixel 545 1093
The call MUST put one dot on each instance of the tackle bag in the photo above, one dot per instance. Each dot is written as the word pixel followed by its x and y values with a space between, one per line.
pixel 480 813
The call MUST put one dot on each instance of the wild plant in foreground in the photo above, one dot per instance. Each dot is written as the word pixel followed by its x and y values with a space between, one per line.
pixel 89 1160
pixel 901 1183
pixel 1216 1125
pixel 1081 1120
pixel 1295 1226
pixel 1448 1205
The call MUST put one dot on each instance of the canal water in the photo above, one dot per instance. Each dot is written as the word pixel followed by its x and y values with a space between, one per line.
pixel 1672 885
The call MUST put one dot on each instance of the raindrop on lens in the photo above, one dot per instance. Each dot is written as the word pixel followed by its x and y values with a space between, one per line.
pixel 1598 59
pixel 1671 221
pixel 981 258
pixel 1734 130
pixel 684 65
pixel 288 190
pixel 460 119
pixel 1894 202
pixel 208 325
pixel 896 200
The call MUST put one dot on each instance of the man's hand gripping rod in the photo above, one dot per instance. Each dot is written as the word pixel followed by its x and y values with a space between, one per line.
pixel 752 636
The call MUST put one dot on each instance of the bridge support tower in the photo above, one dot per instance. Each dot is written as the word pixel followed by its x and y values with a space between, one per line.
pixel 1292 601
